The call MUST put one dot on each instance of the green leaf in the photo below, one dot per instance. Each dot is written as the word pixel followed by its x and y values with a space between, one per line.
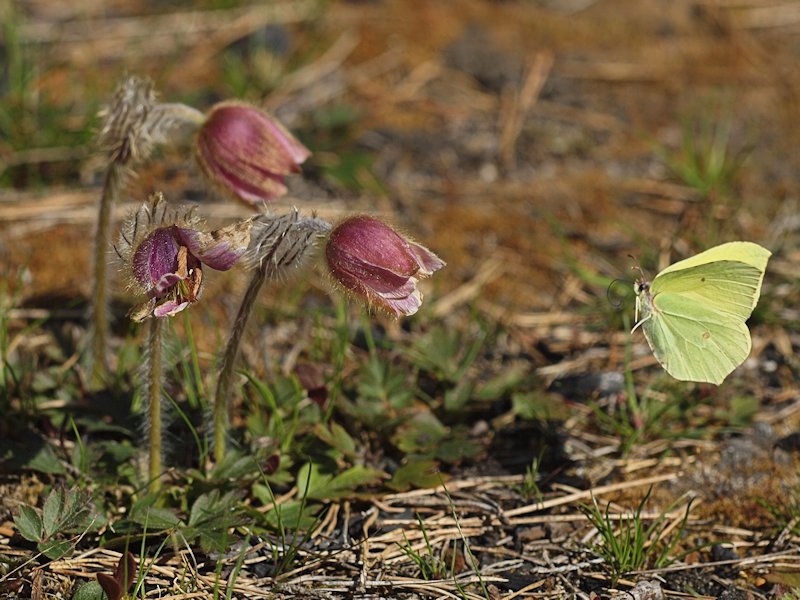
pixel 263 494
pixel 53 511
pixel 153 517
pixel 313 484
pixel 212 507
pixel 501 384
pixel 380 382
pixel 235 467
pixel 77 513
pixel 29 524
pixel 294 514
pixel 418 473
pixel 45 461
pixel 337 437
pixel 456 398
pixel 422 433
pixel 55 549
pixel 455 449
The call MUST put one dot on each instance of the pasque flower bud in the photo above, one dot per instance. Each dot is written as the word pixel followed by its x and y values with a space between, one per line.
pixel 246 153
pixel 377 264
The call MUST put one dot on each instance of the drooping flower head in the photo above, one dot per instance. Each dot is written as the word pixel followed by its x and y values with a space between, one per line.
pixel 246 153
pixel 164 252
pixel 380 266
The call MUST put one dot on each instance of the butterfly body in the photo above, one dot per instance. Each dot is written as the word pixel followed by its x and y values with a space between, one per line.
pixel 693 313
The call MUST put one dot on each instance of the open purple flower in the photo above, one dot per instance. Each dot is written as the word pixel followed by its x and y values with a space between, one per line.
pixel 246 153
pixel 166 252
pixel 374 262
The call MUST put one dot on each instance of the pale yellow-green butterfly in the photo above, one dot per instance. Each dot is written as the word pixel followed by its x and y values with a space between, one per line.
pixel 693 313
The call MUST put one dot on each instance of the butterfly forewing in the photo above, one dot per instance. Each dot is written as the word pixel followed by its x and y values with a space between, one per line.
pixel 742 252
pixel 730 288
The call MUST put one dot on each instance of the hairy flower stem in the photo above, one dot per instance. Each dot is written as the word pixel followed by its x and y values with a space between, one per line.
pixel 225 379
pixel 99 324
pixel 154 385
pixel 277 244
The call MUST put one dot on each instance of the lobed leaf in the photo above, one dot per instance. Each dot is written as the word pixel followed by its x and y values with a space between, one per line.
pixel 29 524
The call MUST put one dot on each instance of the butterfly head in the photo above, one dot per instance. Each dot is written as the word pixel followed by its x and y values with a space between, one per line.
pixel 644 301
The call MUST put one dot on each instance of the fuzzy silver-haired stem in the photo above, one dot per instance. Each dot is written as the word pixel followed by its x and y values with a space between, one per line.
pixel 154 383
pixel 277 245
pixel 99 308
pixel 133 123
pixel 122 139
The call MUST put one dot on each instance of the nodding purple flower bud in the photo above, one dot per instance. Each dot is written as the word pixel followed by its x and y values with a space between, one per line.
pixel 165 253
pixel 375 263
pixel 246 153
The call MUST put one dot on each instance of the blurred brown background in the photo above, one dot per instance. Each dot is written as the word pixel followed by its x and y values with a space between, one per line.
pixel 533 144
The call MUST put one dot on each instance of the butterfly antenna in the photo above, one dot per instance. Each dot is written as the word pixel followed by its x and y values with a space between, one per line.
pixel 637 267
pixel 615 301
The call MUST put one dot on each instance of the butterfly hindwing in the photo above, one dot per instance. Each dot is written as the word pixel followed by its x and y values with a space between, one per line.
pixel 692 343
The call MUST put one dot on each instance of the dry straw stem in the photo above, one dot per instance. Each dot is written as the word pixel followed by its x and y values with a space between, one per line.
pixel 206 32
pixel 513 118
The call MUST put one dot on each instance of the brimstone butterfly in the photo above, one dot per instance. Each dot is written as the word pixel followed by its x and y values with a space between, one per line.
pixel 693 313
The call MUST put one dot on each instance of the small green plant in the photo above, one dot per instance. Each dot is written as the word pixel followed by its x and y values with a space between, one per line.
pixel 64 513
pixel 638 415
pixel 429 564
pixel 530 482
pixel 210 519
pixel 628 543
pixel 786 513
pixel 705 160
pixel 471 559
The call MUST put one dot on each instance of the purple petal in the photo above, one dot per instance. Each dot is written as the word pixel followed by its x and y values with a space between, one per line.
pixel 405 306
pixel 221 249
pixel 156 256
pixel 169 308
pixel 246 153
pixel 427 260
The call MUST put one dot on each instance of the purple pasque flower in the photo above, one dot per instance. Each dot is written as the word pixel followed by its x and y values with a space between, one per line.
pixel 165 252
pixel 246 153
pixel 376 263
